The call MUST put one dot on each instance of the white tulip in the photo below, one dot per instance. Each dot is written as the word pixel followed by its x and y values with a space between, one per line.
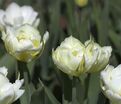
pixel 96 57
pixel 69 56
pixel 15 16
pixel 111 83
pixel 9 92
pixel 75 58
pixel 25 42
pixel 22 39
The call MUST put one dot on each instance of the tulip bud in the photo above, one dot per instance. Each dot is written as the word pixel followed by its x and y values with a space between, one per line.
pixel 81 3
pixel 25 43
pixel 9 92
pixel 111 83
pixel 69 56
pixel 15 16
pixel 96 57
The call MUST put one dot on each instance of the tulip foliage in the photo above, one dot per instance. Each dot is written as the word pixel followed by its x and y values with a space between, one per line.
pixel 60 52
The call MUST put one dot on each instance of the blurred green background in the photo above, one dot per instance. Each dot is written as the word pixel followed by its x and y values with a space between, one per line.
pixel 100 19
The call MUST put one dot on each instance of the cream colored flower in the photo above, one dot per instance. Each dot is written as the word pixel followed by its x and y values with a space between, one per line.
pixel 74 58
pixel 69 56
pixel 81 3
pixel 9 92
pixel 16 16
pixel 111 83
pixel 25 42
pixel 96 57
pixel 22 39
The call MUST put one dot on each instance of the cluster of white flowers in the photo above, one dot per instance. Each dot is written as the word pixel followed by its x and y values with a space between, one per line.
pixel 19 32
pixel 75 58
pixel 19 27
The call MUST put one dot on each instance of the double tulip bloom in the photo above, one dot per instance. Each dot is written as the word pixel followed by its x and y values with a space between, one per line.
pixel 15 16
pixel 20 34
pixel 111 83
pixel 75 58
pixel 9 92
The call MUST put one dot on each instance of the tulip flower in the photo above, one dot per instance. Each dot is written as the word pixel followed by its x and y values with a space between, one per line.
pixel 15 16
pixel 20 34
pixel 69 56
pixel 24 43
pixel 96 57
pixel 75 58
pixel 81 3
pixel 9 92
pixel 111 83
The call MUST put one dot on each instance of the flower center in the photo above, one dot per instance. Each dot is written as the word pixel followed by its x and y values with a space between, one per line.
pixel 22 36
pixel 75 53
pixel 36 43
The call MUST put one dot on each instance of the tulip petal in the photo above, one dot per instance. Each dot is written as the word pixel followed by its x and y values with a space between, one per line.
pixel 28 14
pixel 2 14
pixel 6 94
pixel 46 37
pixel 4 71
pixel 13 15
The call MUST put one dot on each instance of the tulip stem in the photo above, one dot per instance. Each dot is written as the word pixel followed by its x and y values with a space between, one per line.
pixel 24 73
pixel 87 87
pixel 70 90
pixel 67 89
pixel 74 91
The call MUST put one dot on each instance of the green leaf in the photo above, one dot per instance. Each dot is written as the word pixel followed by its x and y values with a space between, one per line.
pixel 116 40
pixel 49 94
pixel 30 90
pixel 9 62
pixel 94 89
pixel 101 18
pixel 38 97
